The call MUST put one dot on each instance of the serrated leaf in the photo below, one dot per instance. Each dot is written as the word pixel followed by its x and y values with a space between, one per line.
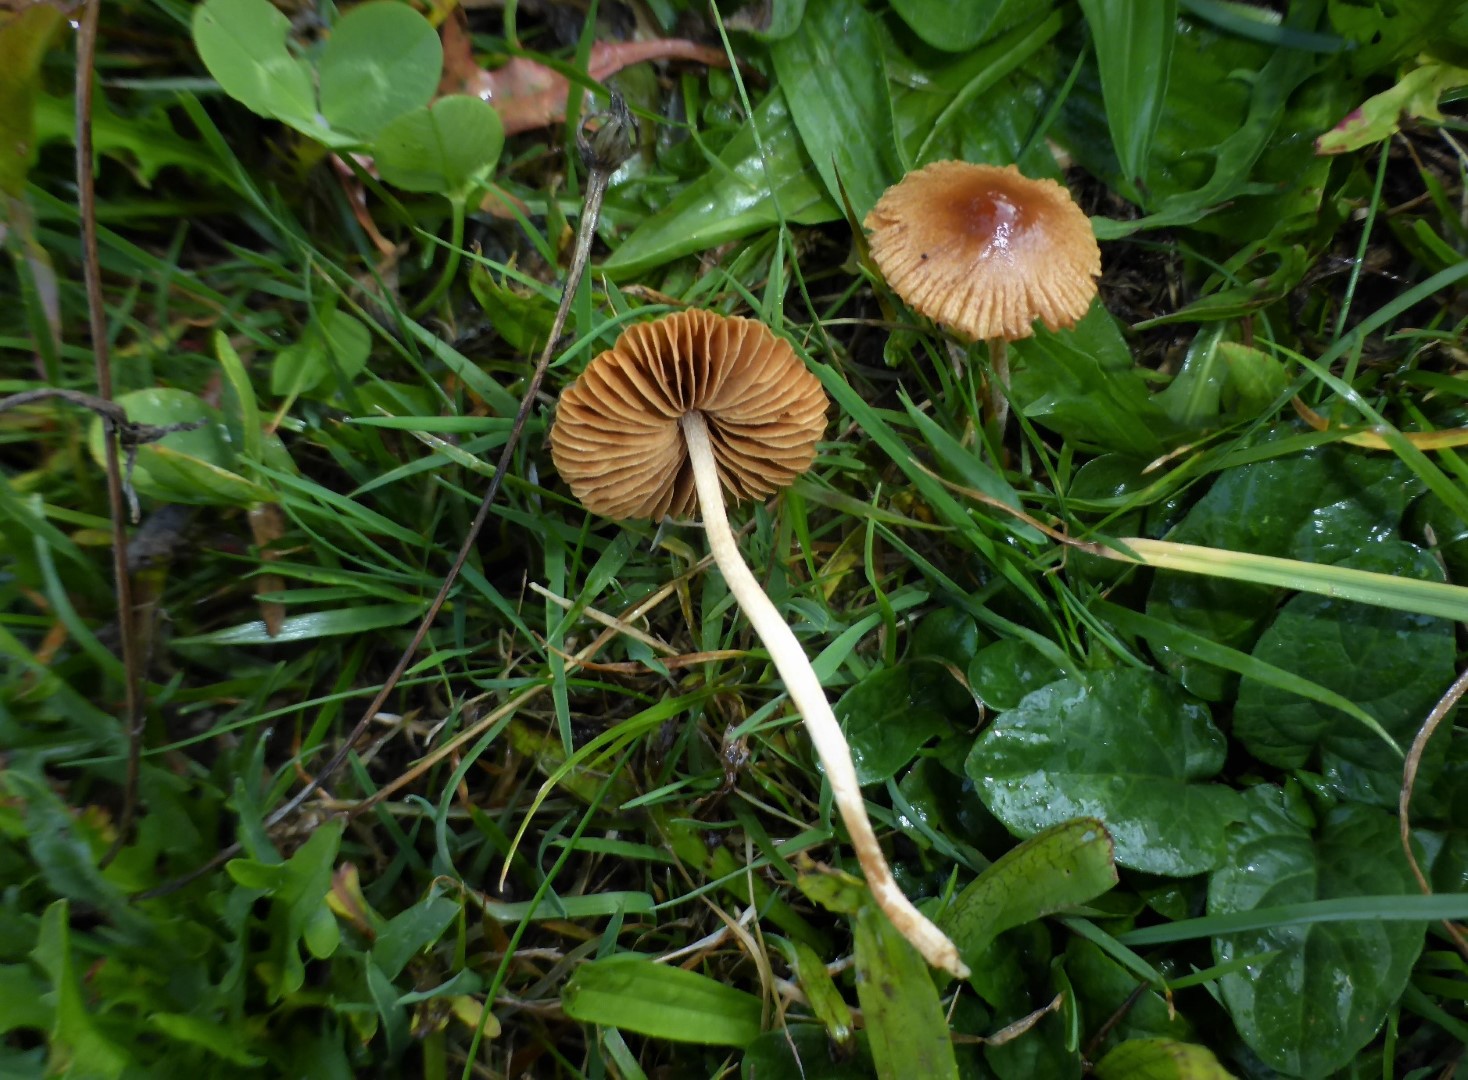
pixel 383 59
pixel 1322 996
pixel 1126 746
pixel 631 993
pixel 77 1046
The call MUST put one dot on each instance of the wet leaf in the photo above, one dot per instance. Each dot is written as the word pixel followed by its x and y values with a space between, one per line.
pixel 1104 989
pixel 1310 1007
pixel 834 78
pixel 1126 746
pixel 886 722
pixel 1393 664
pixel 382 60
pixel 443 149
pixel 630 992
pixel 1062 867
pixel 1319 506
pixel 802 1052
pixel 1133 54
pixel 734 199
pixel 1003 673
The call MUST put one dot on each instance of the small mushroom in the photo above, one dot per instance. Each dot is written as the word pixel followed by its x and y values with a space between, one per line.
pixel 986 251
pixel 676 410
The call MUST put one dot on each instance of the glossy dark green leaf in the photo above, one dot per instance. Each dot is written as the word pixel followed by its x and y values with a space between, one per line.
pixel 1133 54
pixel 443 148
pixel 906 1028
pixel 383 59
pixel 943 645
pixel 1062 867
pixel 1126 746
pixel 632 993
pixel 959 27
pixel 832 73
pixel 1393 664
pixel 1081 384
pixel 1325 992
pixel 1319 506
pixel 1160 1059
pixel 735 198
pixel 1003 673
pixel 884 724
pixel 243 44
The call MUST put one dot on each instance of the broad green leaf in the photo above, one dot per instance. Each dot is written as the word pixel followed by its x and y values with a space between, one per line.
pixel 1326 991
pixel 1081 384
pixel 444 148
pixel 1126 746
pixel 243 44
pixel 833 76
pixel 1003 673
pixel 24 38
pixel 22 1001
pixel 632 993
pixel 1062 867
pixel 383 59
pixel 905 1025
pixel 196 466
pixel 1133 53
pixel 735 198
pixel 958 27
pixel 1393 664
pixel 77 1046
pixel 1318 506
pixel 522 318
pixel 1160 1059
pixel 886 720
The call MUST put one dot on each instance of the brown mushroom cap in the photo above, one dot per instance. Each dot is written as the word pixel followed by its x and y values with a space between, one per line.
pixel 985 250
pixel 617 440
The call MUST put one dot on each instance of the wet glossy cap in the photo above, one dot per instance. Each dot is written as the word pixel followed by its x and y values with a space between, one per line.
pixel 985 250
pixel 617 440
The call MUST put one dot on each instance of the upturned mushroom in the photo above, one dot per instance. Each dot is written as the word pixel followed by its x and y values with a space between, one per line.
pixel 986 251
pixel 675 411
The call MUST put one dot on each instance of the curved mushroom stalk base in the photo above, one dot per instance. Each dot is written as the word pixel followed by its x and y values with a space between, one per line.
pixel 999 383
pixel 809 697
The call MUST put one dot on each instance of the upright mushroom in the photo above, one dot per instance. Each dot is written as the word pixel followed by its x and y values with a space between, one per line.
pixel 986 251
pixel 672 409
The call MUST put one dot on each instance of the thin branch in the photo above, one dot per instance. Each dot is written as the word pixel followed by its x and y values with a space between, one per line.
pixel 134 717
pixel 602 152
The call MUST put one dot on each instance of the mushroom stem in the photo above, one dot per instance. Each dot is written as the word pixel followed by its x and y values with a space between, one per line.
pixel 810 699
pixel 999 383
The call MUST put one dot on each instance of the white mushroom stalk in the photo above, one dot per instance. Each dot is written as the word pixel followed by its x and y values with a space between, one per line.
pixel 810 699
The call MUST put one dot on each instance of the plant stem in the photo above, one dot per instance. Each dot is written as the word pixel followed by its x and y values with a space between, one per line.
pixel 810 699
pixel 451 267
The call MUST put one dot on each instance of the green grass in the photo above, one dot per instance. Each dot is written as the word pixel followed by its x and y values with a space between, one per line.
pixel 1154 799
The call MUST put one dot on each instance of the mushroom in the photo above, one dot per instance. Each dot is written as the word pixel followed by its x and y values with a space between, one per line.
pixel 986 251
pixel 675 409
